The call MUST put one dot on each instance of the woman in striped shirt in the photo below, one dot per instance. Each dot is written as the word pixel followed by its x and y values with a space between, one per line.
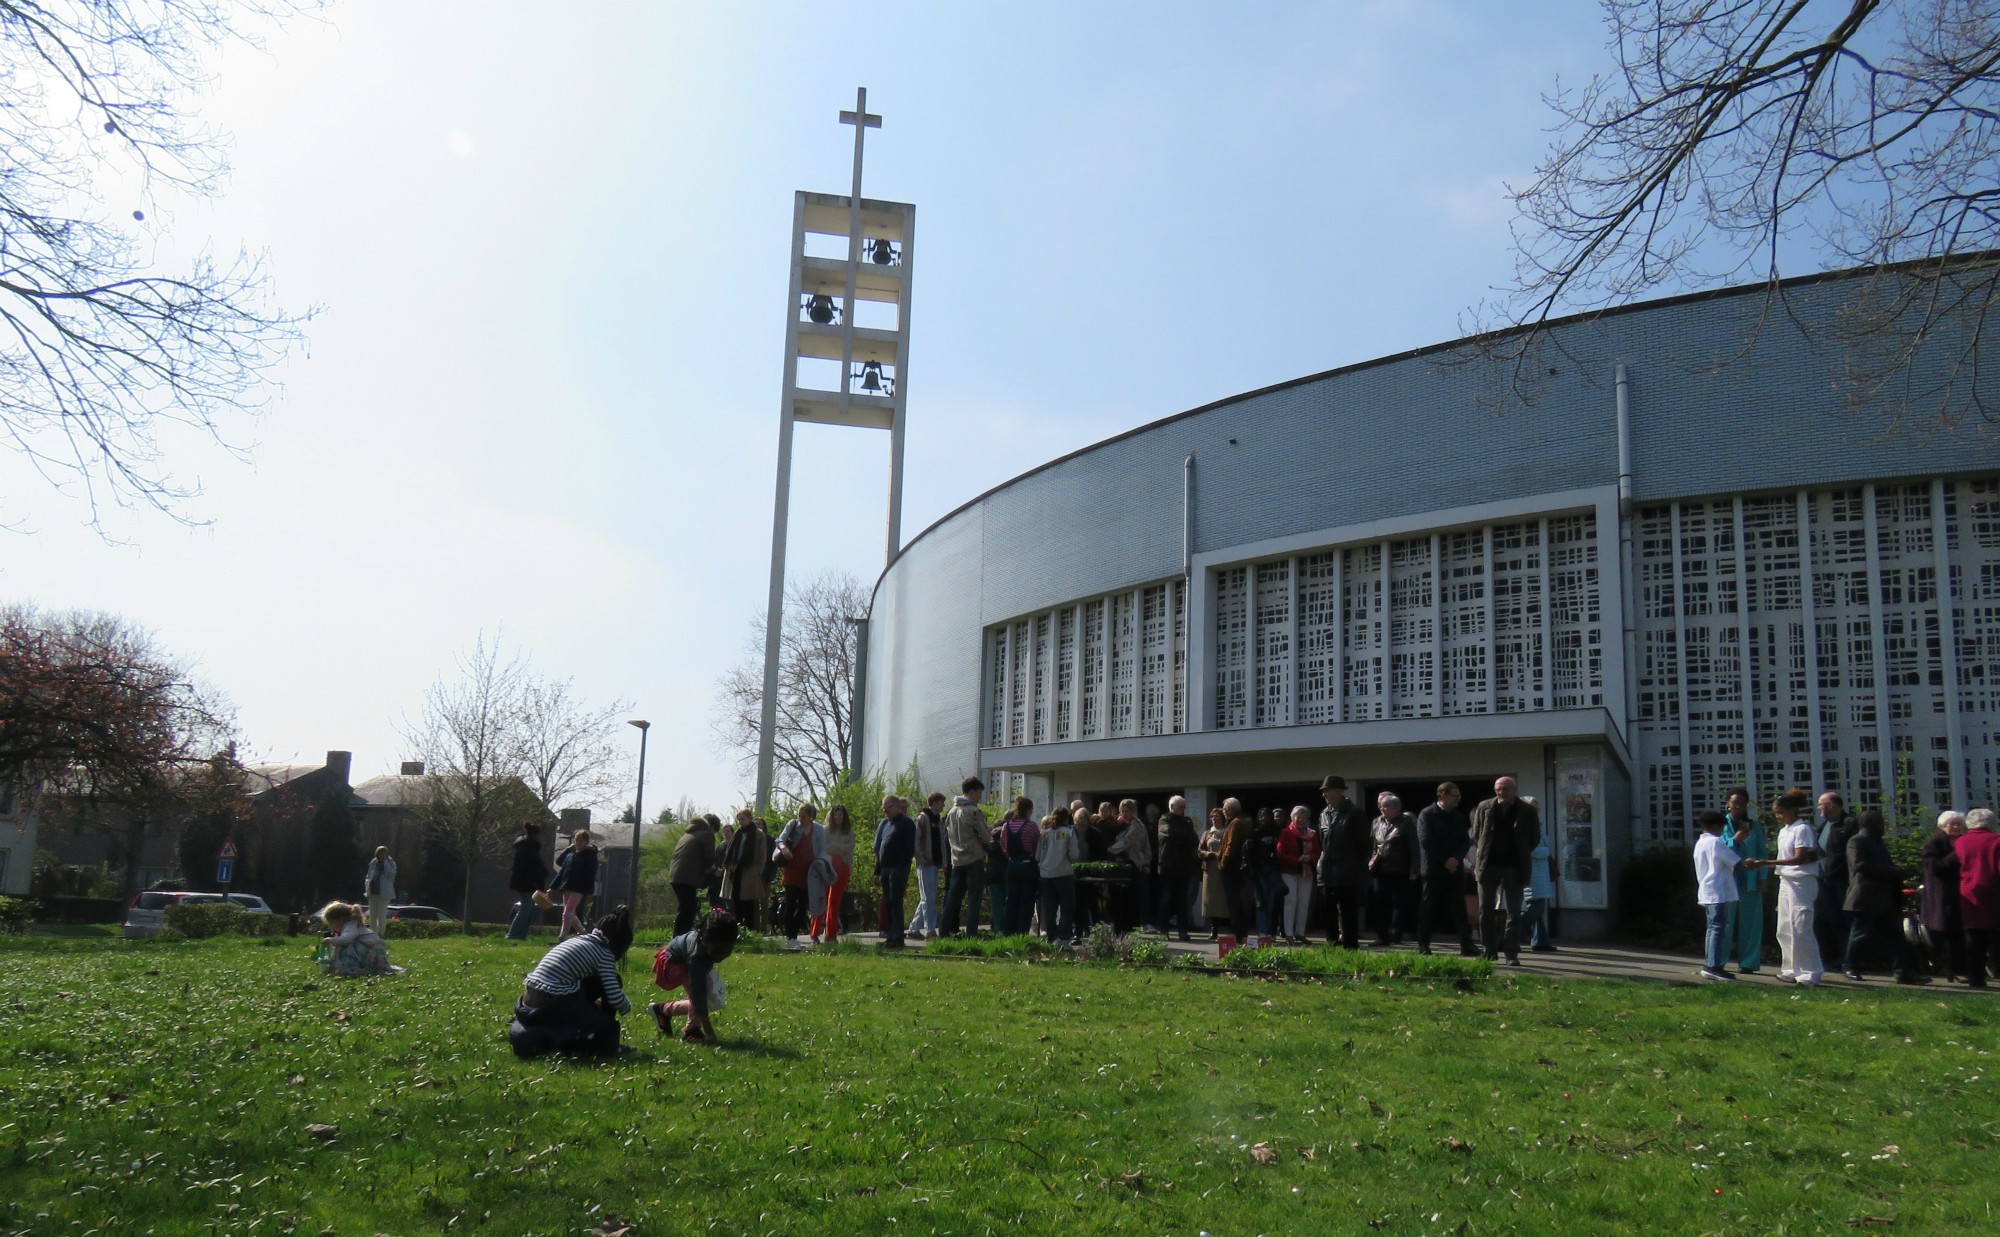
pixel 572 999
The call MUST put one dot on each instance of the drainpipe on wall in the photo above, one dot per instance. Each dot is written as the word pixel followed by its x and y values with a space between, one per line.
pixel 1187 515
pixel 1628 602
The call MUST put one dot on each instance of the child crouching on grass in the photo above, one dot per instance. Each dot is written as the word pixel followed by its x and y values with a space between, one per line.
pixel 353 949
pixel 689 961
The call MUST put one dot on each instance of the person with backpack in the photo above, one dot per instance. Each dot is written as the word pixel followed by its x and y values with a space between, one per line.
pixel 1016 839
pixel 966 833
pixel 688 870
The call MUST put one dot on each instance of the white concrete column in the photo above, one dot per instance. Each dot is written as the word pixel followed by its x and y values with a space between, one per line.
pixel 1948 643
pixel 1803 508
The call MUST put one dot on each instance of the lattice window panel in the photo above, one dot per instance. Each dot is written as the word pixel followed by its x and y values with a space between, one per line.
pixel 1667 817
pixel 1412 628
pixel 1913 640
pixel 1973 508
pixel 1042 702
pixel 1464 643
pixel 1124 665
pixel 1091 675
pixel 1066 673
pixel 1179 589
pixel 1839 658
pixel 1019 672
pixel 1319 639
pixel 1706 604
pixel 996 688
pixel 1232 648
pixel 1155 659
pixel 1273 616
pixel 1361 628
pixel 1576 614
pixel 1519 670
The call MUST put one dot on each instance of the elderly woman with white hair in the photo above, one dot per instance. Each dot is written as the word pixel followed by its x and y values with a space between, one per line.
pixel 1179 848
pixel 1979 893
pixel 1939 913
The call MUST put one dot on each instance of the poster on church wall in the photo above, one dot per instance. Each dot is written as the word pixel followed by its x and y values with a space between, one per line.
pixel 1578 821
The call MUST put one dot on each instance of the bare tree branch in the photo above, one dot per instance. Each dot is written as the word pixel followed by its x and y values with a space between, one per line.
pixel 1739 137
pixel 816 660
pixel 104 363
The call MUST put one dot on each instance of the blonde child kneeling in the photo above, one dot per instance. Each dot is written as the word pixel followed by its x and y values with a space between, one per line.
pixel 353 949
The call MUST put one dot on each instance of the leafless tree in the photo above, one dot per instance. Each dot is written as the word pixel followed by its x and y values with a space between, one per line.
pixel 1744 138
pixel 467 737
pixel 105 361
pixel 817 653
pixel 569 749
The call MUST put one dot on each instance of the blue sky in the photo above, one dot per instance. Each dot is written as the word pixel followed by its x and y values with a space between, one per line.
pixel 549 245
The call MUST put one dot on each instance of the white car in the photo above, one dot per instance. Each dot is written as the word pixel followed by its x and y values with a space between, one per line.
pixel 147 916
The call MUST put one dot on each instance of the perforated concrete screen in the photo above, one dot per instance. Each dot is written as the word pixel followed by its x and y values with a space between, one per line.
pixel 1123 678
pixel 1316 644
pixel 1798 640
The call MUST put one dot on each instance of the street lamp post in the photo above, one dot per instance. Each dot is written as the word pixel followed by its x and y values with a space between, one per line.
pixel 638 814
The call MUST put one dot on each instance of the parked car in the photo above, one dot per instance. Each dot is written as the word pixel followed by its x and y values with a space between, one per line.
pixel 147 916
pixel 429 914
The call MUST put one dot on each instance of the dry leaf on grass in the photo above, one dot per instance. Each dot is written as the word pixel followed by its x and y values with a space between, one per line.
pixel 612 1227
pixel 1263 1154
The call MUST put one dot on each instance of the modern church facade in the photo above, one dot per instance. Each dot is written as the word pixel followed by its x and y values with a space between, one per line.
pixel 1688 559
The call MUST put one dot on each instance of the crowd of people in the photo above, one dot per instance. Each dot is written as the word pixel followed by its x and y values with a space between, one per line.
pixel 1841 894
pixel 1486 876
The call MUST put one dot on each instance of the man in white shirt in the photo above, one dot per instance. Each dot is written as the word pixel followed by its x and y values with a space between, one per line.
pixel 1715 888
pixel 1797 866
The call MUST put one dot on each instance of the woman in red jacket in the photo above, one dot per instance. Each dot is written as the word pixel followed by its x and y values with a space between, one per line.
pixel 1298 858
pixel 1979 892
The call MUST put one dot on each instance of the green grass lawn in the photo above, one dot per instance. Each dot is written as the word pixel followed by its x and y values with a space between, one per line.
pixel 167 1088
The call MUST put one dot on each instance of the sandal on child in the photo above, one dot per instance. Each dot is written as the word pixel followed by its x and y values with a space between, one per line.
pixel 661 1018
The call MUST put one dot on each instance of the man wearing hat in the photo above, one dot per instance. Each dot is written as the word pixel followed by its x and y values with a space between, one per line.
pixel 1345 845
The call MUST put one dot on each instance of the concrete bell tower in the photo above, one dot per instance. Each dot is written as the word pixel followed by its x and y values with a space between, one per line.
pixel 830 290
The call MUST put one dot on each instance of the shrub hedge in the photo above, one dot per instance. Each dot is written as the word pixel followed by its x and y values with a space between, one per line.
pixel 424 929
pixel 208 919
pixel 15 915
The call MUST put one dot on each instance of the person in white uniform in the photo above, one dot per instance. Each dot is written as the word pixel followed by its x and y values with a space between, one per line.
pixel 1797 866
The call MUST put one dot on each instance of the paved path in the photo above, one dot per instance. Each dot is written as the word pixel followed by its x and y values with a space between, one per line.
pixel 1600 961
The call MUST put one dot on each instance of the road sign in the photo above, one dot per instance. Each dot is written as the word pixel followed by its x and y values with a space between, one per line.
pixel 228 851
pixel 225 871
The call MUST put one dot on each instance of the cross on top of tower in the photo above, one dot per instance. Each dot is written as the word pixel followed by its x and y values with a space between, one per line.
pixel 862 120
